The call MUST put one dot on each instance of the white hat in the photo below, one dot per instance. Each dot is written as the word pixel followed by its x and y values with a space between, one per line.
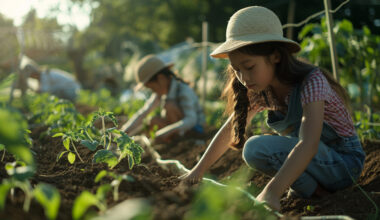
pixel 147 68
pixel 253 25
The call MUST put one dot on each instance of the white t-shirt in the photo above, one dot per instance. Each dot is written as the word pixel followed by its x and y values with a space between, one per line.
pixel 59 83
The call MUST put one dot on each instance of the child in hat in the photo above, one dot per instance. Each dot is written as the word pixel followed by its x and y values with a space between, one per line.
pixel 180 109
pixel 317 150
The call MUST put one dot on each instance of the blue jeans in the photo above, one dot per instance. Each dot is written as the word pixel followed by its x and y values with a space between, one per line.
pixel 332 168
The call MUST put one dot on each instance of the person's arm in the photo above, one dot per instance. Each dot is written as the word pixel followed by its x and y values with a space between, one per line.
pixel 218 146
pixel 135 123
pixel 188 102
pixel 300 157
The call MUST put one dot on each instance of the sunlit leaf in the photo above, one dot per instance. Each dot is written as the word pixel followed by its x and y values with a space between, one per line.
pixel 105 156
pixel 66 143
pixel 4 188
pixel 84 201
pixel 49 198
pixel 71 157
pixel 100 175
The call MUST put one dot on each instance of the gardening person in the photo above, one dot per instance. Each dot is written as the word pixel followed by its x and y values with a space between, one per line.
pixel 180 109
pixel 53 81
pixel 317 150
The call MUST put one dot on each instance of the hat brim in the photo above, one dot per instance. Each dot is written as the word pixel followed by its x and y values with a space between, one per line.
pixel 141 84
pixel 235 43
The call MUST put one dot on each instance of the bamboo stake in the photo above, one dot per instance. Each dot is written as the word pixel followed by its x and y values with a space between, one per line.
pixel 204 60
pixel 333 53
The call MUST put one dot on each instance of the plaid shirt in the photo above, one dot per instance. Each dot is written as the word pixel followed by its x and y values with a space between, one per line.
pixel 315 88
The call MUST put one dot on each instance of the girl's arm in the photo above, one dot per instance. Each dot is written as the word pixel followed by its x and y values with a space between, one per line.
pixel 134 124
pixel 218 146
pixel 301 155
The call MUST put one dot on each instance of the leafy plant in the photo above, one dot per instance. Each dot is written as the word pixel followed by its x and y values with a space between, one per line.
pixel 215 202
pixel 45 194
pixel 106 133
pixel 112 138
pixel 14 135
pixel 67 139
pixel 116 182
pixel 58 114
pixel 86 199
pixel 358 56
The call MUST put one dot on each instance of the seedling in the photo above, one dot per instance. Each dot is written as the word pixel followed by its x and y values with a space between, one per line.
pixel 116 182
pixel 86 199
pixel 106 133
pixel 45 194
pixel 69 137
pixel 128 148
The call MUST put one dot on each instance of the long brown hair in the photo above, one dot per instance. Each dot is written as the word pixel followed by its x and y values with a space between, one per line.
pixel 289 71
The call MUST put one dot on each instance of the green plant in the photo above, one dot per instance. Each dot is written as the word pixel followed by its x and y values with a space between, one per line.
pixel 112 136
pixel 106 133
pixel 86 199
pixel 48 196
pixel 69 138
pixel 215 202
pixel 117 178
pixel 58 115
pixel 364 127
pixel 358 56
pixel 14 135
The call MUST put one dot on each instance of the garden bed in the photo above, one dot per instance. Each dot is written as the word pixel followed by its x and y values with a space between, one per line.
pixel 169 198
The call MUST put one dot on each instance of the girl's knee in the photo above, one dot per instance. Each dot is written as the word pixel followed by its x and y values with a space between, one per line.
pixel 254 151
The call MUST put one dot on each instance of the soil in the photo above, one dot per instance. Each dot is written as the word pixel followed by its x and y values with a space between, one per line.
pixel 163 188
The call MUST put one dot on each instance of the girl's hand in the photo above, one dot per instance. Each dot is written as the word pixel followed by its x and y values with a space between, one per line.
pixel 270 199
pixel 194 176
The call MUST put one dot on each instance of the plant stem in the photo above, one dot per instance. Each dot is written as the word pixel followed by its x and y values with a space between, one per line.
pixel 27 188
pixel 28 199
pixel 109 141
pixel 104 131
pixel 2 158
pixel 88 135
pixel 72 143
pixel 116 193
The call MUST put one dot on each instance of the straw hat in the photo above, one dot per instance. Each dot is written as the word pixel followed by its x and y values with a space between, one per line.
pixel 147 67
pixel 253 25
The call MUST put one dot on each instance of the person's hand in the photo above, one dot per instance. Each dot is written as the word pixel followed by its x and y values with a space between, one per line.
pixel 270 199
pixel 194 176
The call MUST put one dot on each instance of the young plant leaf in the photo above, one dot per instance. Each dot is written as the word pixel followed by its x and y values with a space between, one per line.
pixel 66 143
pixel 105 156
pixel 58 135
pixel 49 198
pixel 100 175
pixel 61 154
pixel 4 188
pixel 19 170
pixel 101 192
pixel 71 157
pixel 84 201
pixel 91 145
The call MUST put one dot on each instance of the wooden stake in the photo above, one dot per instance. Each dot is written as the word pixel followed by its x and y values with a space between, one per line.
pixel 330 24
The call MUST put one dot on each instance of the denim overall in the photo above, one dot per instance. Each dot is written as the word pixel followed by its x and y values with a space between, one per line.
pixel 338 161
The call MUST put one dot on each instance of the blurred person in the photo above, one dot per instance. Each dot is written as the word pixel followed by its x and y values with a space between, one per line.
pixel 54 81
pixel 180 109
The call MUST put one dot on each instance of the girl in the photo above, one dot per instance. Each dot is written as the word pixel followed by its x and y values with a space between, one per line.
pixel 180 109
pixel 318 150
